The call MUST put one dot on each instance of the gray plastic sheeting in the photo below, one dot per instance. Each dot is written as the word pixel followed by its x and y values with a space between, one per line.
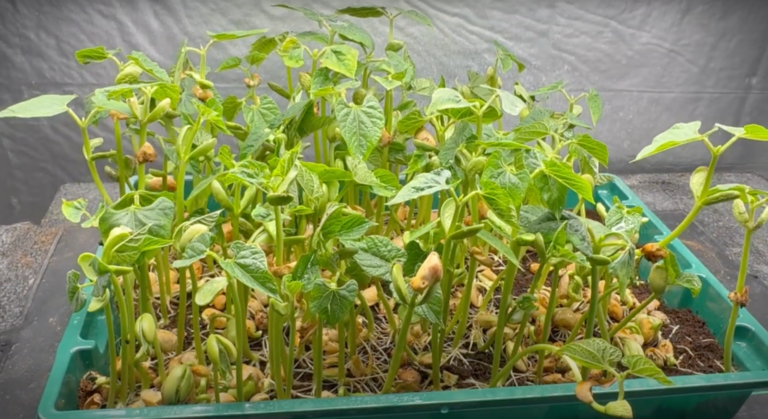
pixel 655 63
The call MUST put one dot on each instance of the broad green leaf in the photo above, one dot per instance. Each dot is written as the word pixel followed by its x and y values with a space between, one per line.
pixel 577 235
pixel 623 219
pixel 415 256
pixel 230 35
pixel 75 295
pixel 307 270
pixel 432 309
pixel 208 291
pixel 554 87
pixel 195 250
pixel 424 87
pixel 229 64
pixel 362 12
pixel 416 16
pixel 349 227
pixel 150 67
pixel 74 210
pixel 679 134
pixel 698 177
pixel 510 103
pixel 418 160
pixel 623 267
pixel 348 31
pixel 444 99
pixel 327 173
pixel 737 131
pixel 360 126
pixel 340 58
pixel 330 302
pixel 96 270
pixel 375 255
pixel 462 133
pixel 127 252
pixel 594 353
pixel 249 266
pixel 291 52
pixel 447 212
pixel 360 172
pixel 98 54
pixel 755 132
pixel 500 246
pixel 411 122
pixel 640 366
pixel 158 216
pixel 322 82
pixel 564 174
pixel 503 188
pixel 307 12
pixel 573 119
pixel 530 132
pixel 311 187
pixel 40 107
pixel 388 183
pixel 386 82
pixel 167 90
pixel 507 58
pixel 260 50
pixel 690 281
pixel 595 104
pixel 593 147
pixel 423 184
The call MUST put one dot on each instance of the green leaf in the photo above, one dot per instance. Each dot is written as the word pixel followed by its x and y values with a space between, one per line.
pixel 231 106
pixel 444 99
pixel 195 250
pixel 97 303
pixel 93 221
pixel 150 67
pixel 424 87
pixel 249 266
pixel 432 308
pixel 167 90
pixel 594 353
pixel 208 291
pixel 74 210
pixel 690 281
pixel 311 187
pixel 291 52
pixel 327 173
pixel 755 132
pixel 672 268
pixel 623 267
pixel 411 235
pixel 447 212
pixel 737 131
pixel 462 133
pixel 345 227
pixel 554 87
pixel 640 366
pixel 411 122
pixel 576 234
pixel 415 16
pixel 510 103
pixel 40 107
pixel 698 177
pixel 527 302
pixel 499 245
pixel 97 271
pixel 530 132
pixel 503 188
pixel 362 175
pixel 362 12
pixel 307 12
pixel 98 54
pixel 376 255
pixel 230 35
pixel 360 126
pixel 623 219
pixel 348 31
pixel 679 134
pixel 307 270
pixel 415 256
pixel 423 184
pixel 158 216
pixel 229 64
pixel 593 147
pixel 260 50
pixel 507 58
pixel 75 295
pixel 387 83
pixel 332 303
pixel 340 58
pixel 388 183
pixel 127 252
pixel 306 36
pixel 595 105
pixel 564 174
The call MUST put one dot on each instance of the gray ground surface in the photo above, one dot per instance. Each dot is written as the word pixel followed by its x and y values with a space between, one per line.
pixel 34 310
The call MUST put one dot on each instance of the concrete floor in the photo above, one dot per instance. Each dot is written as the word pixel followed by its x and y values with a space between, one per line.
pixel 34 261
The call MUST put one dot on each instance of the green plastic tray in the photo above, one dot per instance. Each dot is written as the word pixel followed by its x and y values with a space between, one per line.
pixel 84 347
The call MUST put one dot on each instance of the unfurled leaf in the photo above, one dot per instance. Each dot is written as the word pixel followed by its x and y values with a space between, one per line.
pixel 623 219
pixel 424 87
pixel 39 107
pixel 362 12
pixel 503 188
pixel 330 302
pixel 196 249
pixel 249 266
pixel 327 173
pixel 375 255
pixel 74 210
pixel 387 83
pixel 291 52
pixel 595 104
pixel 594 353
pixel 231 35
pixel 158 216
pixel 755 132
pixel 462 133
pixel 416 16
pixel 75 295
pixel 689 280
pixel 698 177
pixel 593 147
pixel 679 134
pixel 360 126
pixel 554 87
pixel 150 67
pixel 564 174
pixel 411 122
pixel 510 103
pixel 640 366
pixel 311 187
pixel 423 184
pixel 260 50
pixel 340 58
pixel 363 176
pixel 208 291
pixel 229 64
pixel 507 59
pixel 531 132
pixel 98 54
pixel 348 31
pixel 345 227
pixel 445 99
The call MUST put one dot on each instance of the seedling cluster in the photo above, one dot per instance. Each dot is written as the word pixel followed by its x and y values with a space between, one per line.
pixel 389 261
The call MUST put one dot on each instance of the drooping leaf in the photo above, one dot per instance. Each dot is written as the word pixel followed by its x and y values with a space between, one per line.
pixel 576 234
pixel 231 35
pixel 39 107
pixel 327 173
pixel 412 235
pixel 311 186
pixel 415 16
pixel 737 131
pixel 554 87
pixel 445 99
pixel 564 174
pixel 423 184
pixel 593 147
pixel 195 250
pixel 351 32
pixel 341 59
pixel 363 176
pixel 375 255
pixel 387 82
pixel 595 104
pixel 362 12
pixel 594 353
pixel 501 247
pixel 345 227
pixel 510 103
pixel 75 295
pixel 158 216
pixel 98 54
pixel 640 366
pixel 447 212
pixel 208 291
pixel 672 268
pixel 698 177
pixel 689 280
pixel 507 58
pixel 679 134
pixel 249 266
pixel 260 50
pixel 330 302
pixel 361 125
pixel 424 87
pixel 307 12
pixel 623 219
pixel 229 64
pixel 150 67
pixel 74 210
pixel 96 270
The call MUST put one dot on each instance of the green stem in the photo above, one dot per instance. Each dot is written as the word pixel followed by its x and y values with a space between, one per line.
pixel 387 309
pixel 604 297
pixel 506 293
pixel 352 333
pixel 728 344
pixel 511 363
pixel 121 179
pixel 240 331
pixel 180 180
pixel 235 218
pixel 323 140
pixel 593 302
pixel 291 348
pixel 317 359
pixel 196 320
pixel 437 353
pixel 163 278
pixel 632 314
pixel 92 165
pixel 140 357
pixel 276 349
pixel 160 360
pixel 127 363
pixel 402 336
pixel 368 316
pixel 121 310
pixel 216 396
pixel 278 237
pixel 545 330
pixel 462 314
pixel 140 168
pixel 112 355
pixel 289 80
pixel 181 315
pixel 342 365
